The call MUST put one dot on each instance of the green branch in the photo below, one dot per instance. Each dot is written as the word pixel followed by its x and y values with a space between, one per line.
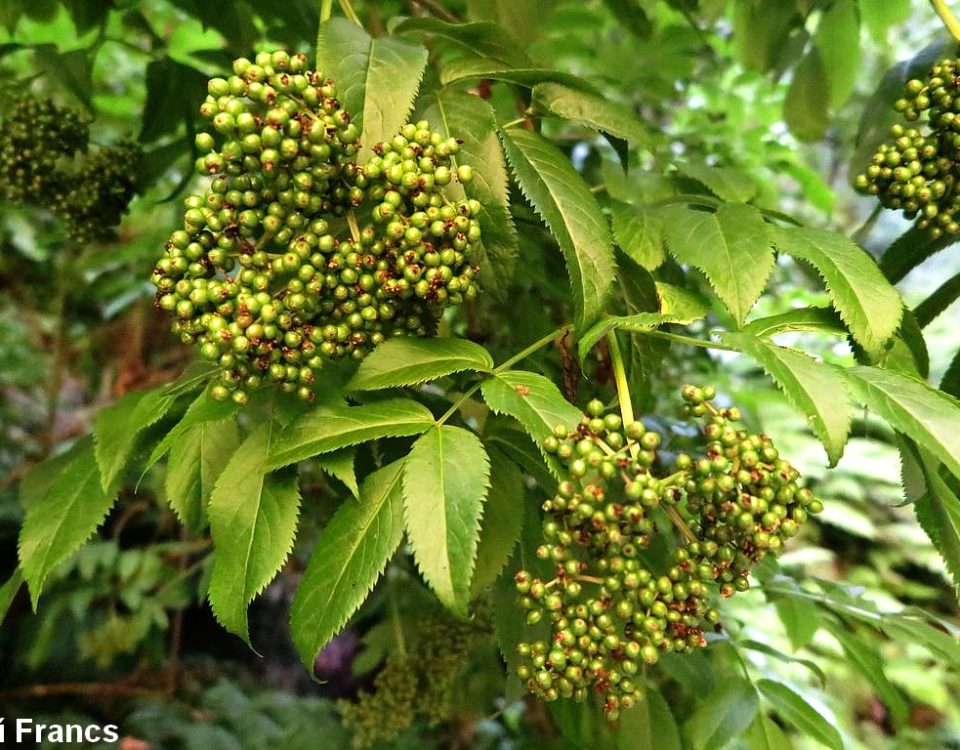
pixel 946 15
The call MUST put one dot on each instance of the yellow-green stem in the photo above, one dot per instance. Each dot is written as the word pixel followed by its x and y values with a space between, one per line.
pixel 326 10
pixel 350 13
pixel 948 18
pixel 620 377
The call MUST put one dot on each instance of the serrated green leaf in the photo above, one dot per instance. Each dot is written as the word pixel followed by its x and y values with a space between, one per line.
pixel 765 734
pixel 410 361
pixel 445 481
pixel 869 306
pixel 203 409
pixel 471 120
pixel 572 213
pixel 639 233
pixel 351 553
pixel 913 407
pixel 329 428
pixel 800 619
pixel 816 389
pixel 791 706
pixel 9 591
pixel 502 521
pixel 535 401
pixel 636 323
pixel 339 464
pixel 474 68
pixel 925 632
pixel 377 79
pixel 786 658
pixel 115 428
pixel 649 725
pixel 480 38
pixel 865 659
pixel 731 246
pixel 196 461
pixel 938 513
pixel 726 183
pixel 724 714
pixel 687 306
pixel 810 319
pixel 58 523
pixel 807 104
pixel 594 111
pixel 253 522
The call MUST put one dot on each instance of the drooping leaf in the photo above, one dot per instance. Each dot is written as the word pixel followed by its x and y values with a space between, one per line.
pixel 410 361
pixel 800 619
pixel 938 512
pixel 351 553
pixel 865 659
pixel 838 40
pixel 913 407
pixel 9 591
pixel 879 15
pixel 196 461
pixel 791 706
pixel 944 296
pixel 723 714
pixel 253 522
pixel 731 246
pixel 563 200
pixel 632 15
pixel 57 524
pixel 786 658
pixel 761 29
pixel 911 249
pixel 807 105
pixel 638 232
pixel 377 79
pixel 502 521
pixel 925 631
pixel 868 305
pixel 329 428
pixel 726 183
pixel 445 481
pixel 594 111
pixel 471 120
pixel 174 94
pixel 816 389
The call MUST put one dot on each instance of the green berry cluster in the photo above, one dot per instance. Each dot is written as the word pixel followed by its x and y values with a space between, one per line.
pixel 46 162
pixel 917 171
pixel 610 608
pixel 414 685
pixel 266 276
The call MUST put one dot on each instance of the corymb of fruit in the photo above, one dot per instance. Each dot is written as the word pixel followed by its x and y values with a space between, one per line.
pixel 295 252
pixel 46 162
pixel 917 171
pixel 610 606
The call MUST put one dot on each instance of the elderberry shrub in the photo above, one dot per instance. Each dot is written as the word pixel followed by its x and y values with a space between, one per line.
pixel 46 162
pixel 917 170
pixel 264 277
pixel 611 610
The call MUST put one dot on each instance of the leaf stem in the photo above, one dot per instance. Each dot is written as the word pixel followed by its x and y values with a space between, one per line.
pixel 350 13
pixel 437 9
pixel 506 365
pixel 326 10
pixel 681 339
pixel 626 413
pixel 514 123
pixel 946 15
pixel 620 376
pixel 397 624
